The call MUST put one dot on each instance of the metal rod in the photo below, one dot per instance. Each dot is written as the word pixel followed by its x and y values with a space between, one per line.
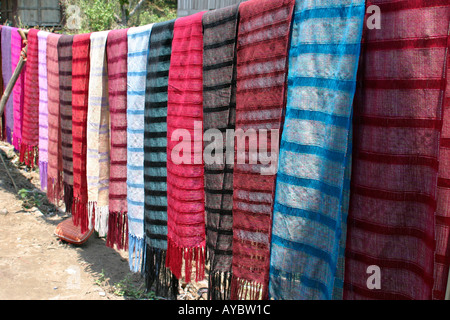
pixel 15 75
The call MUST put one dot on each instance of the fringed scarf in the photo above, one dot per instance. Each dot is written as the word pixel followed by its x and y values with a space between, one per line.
pixel 219 112
pixel 3 117
pixel 397 195
pixel 262 50
pixel 155 162
pixel 80 90
pixel 116 51
pixel 185 185
pixel 7 73
pixel 65 100
pixel 54 168
pixel 18 92
pixel 138 47
pixel 30 126
pixel 43 108
pixel 312 186
pixel 98 144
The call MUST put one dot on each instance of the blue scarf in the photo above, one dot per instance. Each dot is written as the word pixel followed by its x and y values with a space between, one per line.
pixel 312 188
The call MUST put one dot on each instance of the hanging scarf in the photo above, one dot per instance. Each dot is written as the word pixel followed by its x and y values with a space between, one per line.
pixel 116 49
pixel 398 121
pixel 65 100
pixel 312 182
pixel 18 93
pixel 155 162
pixel 30 126
pixel 43 108
pixel 80 89
pixel 219 112
pixel 3 123
pixel 54 168
pixel 263 38
pixel 98 145
pixel 7 73
pixel 138 47
pixel 185 185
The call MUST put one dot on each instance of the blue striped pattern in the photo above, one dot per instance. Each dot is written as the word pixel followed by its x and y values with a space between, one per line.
pixel 313 181
pixel 138 48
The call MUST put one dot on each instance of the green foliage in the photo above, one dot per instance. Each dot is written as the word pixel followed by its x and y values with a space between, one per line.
pixel 126 288
pixel 100 15
pixel 31 198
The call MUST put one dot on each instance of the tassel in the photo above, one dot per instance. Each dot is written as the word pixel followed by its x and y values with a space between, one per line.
pixel 101 220
pixel 43 174
pixel 242 289
pixel 54 190
pixel 156 273
pixel 9 136
pixel 176 255
pixel 68 197
pixel 80 214
pixel 117 230
pixel 136 258
pixel 219 284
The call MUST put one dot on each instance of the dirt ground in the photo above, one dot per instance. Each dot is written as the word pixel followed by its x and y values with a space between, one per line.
pixel 36 265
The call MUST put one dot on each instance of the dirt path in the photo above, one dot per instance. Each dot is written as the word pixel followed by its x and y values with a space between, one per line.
pixel 35 264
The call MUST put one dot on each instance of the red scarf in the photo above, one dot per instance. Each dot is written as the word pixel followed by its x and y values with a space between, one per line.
pixel 30 125
pixel 262 52
pixel 185 194
pixel 54 171
pixel 80 88
pixel 116 51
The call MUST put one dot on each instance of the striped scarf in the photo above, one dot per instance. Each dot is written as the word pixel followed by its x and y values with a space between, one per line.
pixel 219 112
pixel 43 108
pixel 6 75
pixel 262 47
pixel 80 88
pixel 116 50
pixel 155 162
pixel 312 187
pixel 138 47
pixel 30 127
pixel 65 100
pixel 54 169
pixel 98 145
pixel 18 93
pixel 185 185
pixel 398 218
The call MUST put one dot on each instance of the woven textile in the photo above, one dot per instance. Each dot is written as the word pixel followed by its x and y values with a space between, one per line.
pixel 6 76
pixel 311 204
pixel 185 194
pixel 54 168
pixel 98 143
pixel 155 162
pixel 116 51
pixel 3 118
pixel 18 93
pixel 262 47
pixel 398 121
pixel 43 108
pixel 219 112
pixel 65 101
pixel 30 126
pixel 80 90
pixel 138 47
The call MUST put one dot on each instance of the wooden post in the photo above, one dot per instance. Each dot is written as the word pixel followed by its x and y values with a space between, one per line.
pixel 15 75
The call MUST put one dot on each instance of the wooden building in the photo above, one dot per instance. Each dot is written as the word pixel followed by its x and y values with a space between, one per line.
pixel 188 7
pixel 30 13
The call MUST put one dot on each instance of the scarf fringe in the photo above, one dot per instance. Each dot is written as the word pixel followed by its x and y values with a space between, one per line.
pixel 43 174
pixel 117 230
pixel 27 155
pixel 68 197
pixel 219 284
pixel 54 190
pixel 191 256
pixel 242 289
pixel 16 142
pixel 136 257
pixel 80 214
pixel 156 273
pixel 100 217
